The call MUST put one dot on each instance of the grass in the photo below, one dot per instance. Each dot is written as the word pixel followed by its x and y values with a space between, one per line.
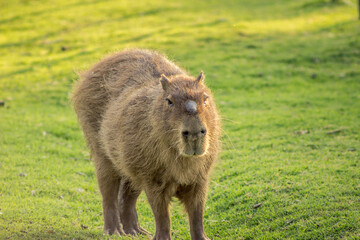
pixel 275 67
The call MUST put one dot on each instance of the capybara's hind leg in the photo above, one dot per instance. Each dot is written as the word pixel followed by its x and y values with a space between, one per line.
pixel 128 215
pixel 109 184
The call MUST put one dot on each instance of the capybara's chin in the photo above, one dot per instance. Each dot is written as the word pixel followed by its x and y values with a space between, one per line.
pixel 192 154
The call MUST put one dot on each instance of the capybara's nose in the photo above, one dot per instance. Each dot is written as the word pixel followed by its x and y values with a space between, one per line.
pixel 194 135
pixel 185 133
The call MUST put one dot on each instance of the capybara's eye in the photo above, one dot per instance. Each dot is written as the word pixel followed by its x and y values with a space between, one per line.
pixel 170 103
pixel 205 99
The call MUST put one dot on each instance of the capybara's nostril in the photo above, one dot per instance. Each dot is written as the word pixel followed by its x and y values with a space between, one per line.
pixel 185 133
pixel 203 132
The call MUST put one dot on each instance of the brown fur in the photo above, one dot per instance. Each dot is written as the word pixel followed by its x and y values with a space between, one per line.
pixel 144 134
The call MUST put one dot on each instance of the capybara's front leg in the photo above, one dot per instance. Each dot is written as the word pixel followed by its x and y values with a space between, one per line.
pixel 128 215
pixel 193 197
pixel 195 212
pixel 109 184
pixel 159 203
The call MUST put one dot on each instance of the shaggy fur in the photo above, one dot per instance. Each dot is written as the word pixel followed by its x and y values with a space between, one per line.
pixel 150 127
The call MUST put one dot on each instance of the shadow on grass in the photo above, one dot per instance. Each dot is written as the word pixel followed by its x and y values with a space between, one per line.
pixel 51 10
pixel 56 234
pixel 51 62
pixel 61 234
pixel 20 71
pixel 91 24
pixel 316 5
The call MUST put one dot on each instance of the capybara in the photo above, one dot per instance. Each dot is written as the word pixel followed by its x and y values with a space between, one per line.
pixel 152 127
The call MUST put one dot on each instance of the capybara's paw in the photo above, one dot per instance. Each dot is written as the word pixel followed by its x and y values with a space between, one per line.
pixel 201 237
pixel 143 231
pixel 161 237
pixel 136 231
pixel 114 231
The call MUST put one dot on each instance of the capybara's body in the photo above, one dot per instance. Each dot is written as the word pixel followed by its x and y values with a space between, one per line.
pixel 150 127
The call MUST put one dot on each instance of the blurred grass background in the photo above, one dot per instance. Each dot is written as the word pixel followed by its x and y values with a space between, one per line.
pixel 285 75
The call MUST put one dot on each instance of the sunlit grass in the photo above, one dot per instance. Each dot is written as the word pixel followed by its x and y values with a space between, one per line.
pixel 300 24
pixel 285 75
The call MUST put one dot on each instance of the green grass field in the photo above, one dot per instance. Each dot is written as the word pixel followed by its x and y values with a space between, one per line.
pixel 276 68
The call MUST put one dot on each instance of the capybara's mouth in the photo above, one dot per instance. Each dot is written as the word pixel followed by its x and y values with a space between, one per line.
pixel 193 155
pixel 197 152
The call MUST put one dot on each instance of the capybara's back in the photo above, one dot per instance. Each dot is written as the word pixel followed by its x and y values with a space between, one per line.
pixel 107 79
pixel 150 127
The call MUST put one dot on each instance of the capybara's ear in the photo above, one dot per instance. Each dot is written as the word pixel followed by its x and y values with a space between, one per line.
pixel 201 77
pixel 165 82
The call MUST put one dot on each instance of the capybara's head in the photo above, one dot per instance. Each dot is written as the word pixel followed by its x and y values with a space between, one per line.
pixel 188 114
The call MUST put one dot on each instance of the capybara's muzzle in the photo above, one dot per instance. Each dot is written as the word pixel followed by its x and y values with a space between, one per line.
pixel 194 142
